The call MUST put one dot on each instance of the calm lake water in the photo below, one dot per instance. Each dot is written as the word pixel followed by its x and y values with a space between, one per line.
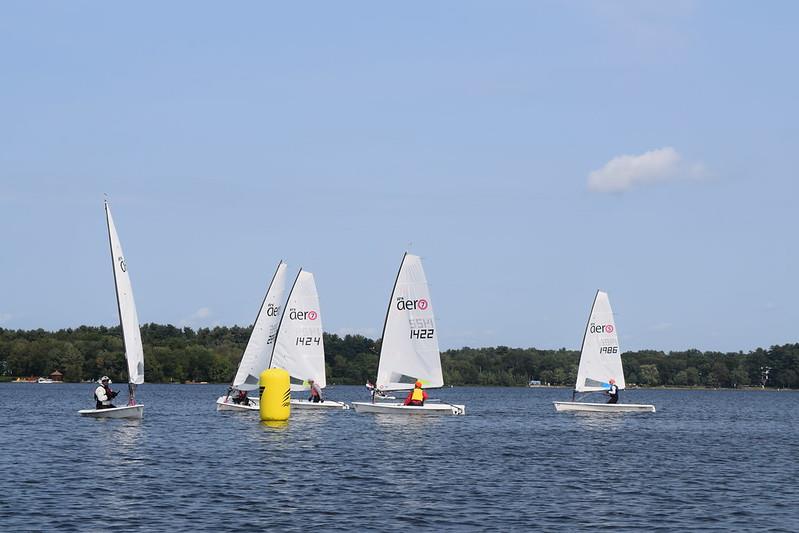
pixel 707 460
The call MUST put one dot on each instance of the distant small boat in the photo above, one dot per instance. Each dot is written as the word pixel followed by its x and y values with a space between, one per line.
pixel 131 335
pixel 409 350
pixel 46 381
pixel 600 361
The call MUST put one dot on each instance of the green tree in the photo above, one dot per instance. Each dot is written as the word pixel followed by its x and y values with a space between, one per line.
pixel 649 375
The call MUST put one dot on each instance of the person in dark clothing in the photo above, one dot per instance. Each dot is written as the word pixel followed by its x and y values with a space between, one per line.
pixel 241 398
pixel 613 392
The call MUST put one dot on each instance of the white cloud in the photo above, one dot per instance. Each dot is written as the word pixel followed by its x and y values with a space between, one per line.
pixel 198 318
pixel 627 171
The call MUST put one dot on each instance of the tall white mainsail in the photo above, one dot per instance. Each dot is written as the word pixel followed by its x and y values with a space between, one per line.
pixel 256 355
pixel 299 348
pixel 127 307
pixel 409 350
pixel 600 357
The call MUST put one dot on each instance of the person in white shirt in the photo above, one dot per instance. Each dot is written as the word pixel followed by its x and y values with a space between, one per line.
pixel 316 392
pixel 103 394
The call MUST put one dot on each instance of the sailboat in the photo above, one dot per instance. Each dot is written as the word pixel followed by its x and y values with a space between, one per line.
pixel 600 362
pixel 134 353
pixel 409 350
pixel 259 347
pixel 299 347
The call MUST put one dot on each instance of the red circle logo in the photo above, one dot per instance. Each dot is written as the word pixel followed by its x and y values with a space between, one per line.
pixel 422 304
pixel 312 315
pixel 609 328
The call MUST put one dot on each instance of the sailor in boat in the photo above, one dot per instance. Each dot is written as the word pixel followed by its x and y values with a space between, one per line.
pixel 241 398
pixel 375 392
pixel 103 394
pixel 613 392
pixel 316 392
pixel 417 396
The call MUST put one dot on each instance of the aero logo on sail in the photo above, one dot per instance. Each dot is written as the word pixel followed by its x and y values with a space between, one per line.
pixel 272 310
pixel 607 328
pixel 404 304
pixel 302 315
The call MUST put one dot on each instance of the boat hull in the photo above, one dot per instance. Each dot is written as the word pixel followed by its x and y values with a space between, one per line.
pixel 128 411
pixel 604 407
pixel 326 405
pixel 224 403
pixel 400 409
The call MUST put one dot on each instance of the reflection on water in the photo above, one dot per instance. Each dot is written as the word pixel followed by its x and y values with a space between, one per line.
pixel 275 424
pixel 706 460
pixel 602 421
pixel 128 432
pixel 391 424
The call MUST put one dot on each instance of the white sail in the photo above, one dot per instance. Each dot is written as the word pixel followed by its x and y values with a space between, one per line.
pixel 409 350
pixel 127 307
pixel 299 348
pixel 600 357
pixel 256 355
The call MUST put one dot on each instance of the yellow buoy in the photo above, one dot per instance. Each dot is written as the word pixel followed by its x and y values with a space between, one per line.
pixel 275 395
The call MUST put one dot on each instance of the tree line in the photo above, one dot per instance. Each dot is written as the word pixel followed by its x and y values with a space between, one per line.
pixel 213 354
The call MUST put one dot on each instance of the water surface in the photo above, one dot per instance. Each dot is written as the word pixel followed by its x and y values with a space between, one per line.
pixel 707 460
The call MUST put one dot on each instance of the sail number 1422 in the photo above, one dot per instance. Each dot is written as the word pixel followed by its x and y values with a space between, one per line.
pixel 422 328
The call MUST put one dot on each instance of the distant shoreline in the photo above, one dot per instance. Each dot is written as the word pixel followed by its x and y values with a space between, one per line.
pixel 12 379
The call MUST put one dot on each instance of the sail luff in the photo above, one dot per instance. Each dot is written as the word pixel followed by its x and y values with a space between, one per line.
pixel 409 350
pixel 258 349
pixel 390 301
pixel 280 322
pixel 126 306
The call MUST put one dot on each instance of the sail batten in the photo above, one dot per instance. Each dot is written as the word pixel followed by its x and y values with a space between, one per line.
pixel 600 356
pixel 409 350
pixel 128 319
pixel 299 348
pixel 259 347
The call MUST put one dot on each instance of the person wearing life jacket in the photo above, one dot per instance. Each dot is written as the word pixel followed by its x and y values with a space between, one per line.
pixel 103 394
pixel 613 392
pixel 417 396
pixel 316 392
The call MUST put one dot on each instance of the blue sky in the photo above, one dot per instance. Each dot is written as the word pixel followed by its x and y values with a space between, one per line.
pixel 530 152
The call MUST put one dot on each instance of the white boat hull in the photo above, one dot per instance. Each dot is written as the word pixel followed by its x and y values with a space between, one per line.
pixel 128 411
pixel 224 403
pixel 400 409
pixel 604 407
pixel 327 404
